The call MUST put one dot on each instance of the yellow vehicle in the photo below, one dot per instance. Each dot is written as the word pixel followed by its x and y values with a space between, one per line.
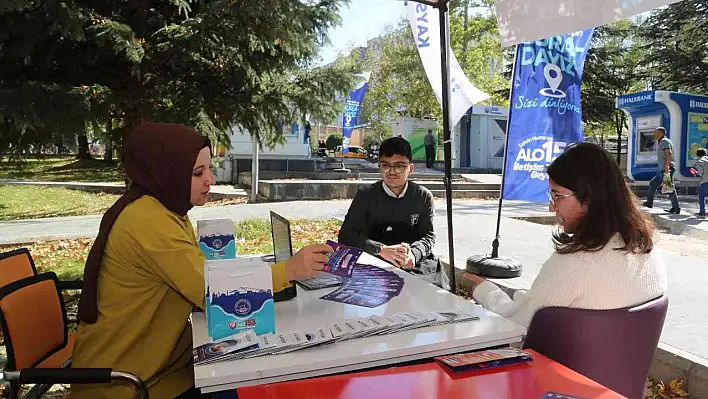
pixel 354 152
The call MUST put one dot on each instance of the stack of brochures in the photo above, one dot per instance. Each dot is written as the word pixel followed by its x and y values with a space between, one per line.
pixel 248 345
pixel 486 359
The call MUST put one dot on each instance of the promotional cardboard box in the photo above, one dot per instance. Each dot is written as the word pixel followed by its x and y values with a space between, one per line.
pixel 239 297
pixel 216 238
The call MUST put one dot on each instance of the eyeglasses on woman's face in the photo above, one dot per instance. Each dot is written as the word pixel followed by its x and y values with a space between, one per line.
pixel 553 197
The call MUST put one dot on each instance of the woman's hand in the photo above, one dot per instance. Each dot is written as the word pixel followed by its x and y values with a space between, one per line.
pixel 475 279
pixel 307 262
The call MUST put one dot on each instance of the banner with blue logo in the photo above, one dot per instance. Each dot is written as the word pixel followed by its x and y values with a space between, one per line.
pixel 351 114
pixel 545 115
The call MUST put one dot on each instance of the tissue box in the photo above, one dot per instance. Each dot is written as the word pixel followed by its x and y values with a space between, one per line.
pixel 239 297
pixel 216 238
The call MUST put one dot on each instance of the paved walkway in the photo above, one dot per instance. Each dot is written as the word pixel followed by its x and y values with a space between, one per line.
pixel 474 226
pixel 483 178
pixel 686 223
pixel 220 191
pixel 228 191
pixel 21 231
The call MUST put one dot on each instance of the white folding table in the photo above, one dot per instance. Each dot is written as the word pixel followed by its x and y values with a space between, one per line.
pixel 307 312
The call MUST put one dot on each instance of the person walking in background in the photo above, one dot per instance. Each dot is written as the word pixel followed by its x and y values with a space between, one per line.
pixel 701 170
pixel 429 142
pixel 664 157
pixel 306 138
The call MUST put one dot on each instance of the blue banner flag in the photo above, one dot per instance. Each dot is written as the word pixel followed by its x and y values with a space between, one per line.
pixel 351 114
pixel 545 115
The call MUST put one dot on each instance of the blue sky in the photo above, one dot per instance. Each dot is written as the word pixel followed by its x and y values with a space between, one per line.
pixel 361 20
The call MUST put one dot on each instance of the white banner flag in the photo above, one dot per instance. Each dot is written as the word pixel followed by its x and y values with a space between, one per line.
pixel 528 20
pixel 425 23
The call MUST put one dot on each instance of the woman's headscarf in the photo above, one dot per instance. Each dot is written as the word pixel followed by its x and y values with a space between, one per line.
pixel 158 158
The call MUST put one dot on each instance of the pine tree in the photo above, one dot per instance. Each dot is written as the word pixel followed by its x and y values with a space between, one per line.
pixel 209 64
pixel 612 68
pixel 677 47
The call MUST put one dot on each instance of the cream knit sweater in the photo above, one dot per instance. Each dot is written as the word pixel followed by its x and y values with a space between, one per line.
pixel 606 279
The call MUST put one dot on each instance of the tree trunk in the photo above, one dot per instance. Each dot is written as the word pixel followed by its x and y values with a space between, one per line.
pixel 130 125
pixel 132 120
pixel 83 149
pixel 464 37
pixel 108 156
pixel 619 125
pixel 59 144
pixel 619 148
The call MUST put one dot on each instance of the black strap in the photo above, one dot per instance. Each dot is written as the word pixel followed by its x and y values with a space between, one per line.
pixel 65 376
pixel 70 285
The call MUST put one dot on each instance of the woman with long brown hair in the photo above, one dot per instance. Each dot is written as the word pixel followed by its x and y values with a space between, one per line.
pixel 605 256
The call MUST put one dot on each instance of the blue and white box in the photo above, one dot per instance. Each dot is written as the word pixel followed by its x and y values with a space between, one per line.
pixel 216 238
pixel 239 297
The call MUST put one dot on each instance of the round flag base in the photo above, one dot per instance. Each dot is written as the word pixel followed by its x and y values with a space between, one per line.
pixel 501 267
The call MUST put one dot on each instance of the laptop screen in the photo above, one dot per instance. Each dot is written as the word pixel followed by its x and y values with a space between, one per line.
pixel 282 245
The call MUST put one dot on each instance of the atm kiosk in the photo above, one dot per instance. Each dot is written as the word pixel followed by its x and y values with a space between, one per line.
pixel 685 118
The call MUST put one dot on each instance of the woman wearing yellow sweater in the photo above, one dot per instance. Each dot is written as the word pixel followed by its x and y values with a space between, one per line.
pixel 144 273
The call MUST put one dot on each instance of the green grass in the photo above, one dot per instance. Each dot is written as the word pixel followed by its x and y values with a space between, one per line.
pixel 20 202
pixel 70 269
pixel 254 236
pixel 61 170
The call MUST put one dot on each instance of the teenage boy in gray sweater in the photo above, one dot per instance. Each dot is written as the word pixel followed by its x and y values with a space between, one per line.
pixel 393 218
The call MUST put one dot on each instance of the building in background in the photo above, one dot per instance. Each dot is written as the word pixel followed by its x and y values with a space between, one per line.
pixel 685 118
pixel 295 145
pixel 480 137
pixel 414 130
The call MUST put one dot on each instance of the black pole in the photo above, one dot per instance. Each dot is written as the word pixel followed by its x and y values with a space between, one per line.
pixel 495 243
pixel 445 68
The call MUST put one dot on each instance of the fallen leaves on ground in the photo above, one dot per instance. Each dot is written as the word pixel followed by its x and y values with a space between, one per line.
pixel 464 293
pixel 311 231
pixel 253 236
pixel 227 201
pixel 66 258
pixel 661 390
